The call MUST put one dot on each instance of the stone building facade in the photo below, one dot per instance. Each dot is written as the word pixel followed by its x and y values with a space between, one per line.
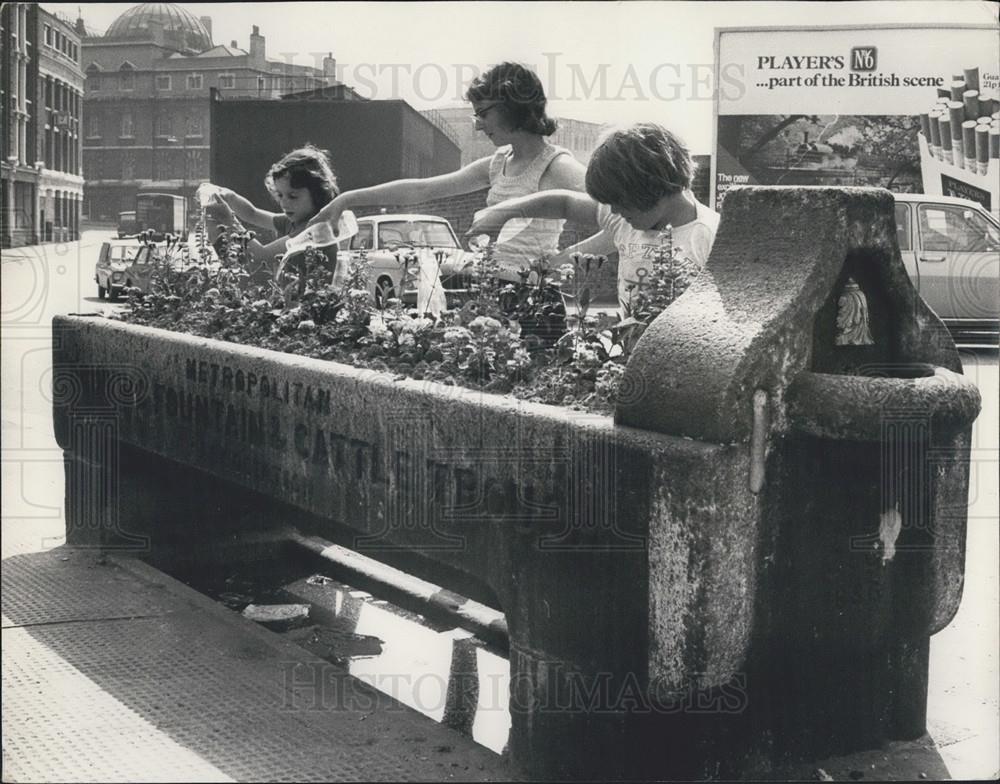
pixel 148 89
pixel 41 100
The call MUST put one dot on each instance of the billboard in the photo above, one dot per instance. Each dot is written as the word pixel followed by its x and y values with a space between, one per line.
pixel 910 108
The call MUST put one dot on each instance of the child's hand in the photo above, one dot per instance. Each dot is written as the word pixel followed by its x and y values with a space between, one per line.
pixel 220 212
pixel 490 221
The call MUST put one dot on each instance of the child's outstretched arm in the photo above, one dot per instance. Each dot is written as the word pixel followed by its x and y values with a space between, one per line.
pixel 473 177
pixel 246 211
pixel 600 244
pixel 572 205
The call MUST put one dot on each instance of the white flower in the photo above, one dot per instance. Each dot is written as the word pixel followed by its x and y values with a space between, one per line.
pixel 417 324
pixel 379 330
pixel 485 323
pixel 457 335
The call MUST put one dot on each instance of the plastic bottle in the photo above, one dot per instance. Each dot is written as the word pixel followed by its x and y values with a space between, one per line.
pixel 320 235
pixel 208 193
pixel 430 291
pixel 511 228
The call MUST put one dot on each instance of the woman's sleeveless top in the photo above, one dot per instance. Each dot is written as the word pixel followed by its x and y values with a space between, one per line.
pixel 539 236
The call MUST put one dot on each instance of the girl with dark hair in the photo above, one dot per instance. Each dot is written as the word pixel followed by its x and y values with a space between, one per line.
pixel 508 106
pixel 301 183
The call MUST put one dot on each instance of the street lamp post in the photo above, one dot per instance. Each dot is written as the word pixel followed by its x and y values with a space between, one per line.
pixel 173 140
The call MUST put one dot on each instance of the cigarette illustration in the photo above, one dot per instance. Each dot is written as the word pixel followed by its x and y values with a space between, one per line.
pixel 956 115
pixel 972 78
pixel 971 100
pixel 982 148
pixel 961 128
pixel 944 130
pixel 935 142
pixel 985 104
pixel 969 140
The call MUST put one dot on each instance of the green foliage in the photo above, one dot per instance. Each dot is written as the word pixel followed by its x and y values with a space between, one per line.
pixel 508 338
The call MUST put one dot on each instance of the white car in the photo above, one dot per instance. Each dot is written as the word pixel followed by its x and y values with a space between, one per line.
pixel 387 239
pixel 129 264
pixel 951 250
pixel 113 271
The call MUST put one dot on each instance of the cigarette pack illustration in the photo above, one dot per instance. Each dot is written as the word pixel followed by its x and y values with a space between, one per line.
pixel 960 142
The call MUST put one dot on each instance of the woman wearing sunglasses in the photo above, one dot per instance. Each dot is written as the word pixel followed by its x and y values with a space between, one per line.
pixel 508 105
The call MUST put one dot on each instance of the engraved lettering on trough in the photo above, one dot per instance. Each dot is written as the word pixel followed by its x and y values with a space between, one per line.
pixel 276 434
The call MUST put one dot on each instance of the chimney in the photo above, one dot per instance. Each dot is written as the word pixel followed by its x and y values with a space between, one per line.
pixel 330 67
pixel 257 46
pixel 207 23
pixel 233 45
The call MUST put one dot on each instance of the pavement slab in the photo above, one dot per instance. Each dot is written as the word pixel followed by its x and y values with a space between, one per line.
pixel 114 671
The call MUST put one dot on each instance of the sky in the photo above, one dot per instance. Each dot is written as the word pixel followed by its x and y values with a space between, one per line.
pixel 606 62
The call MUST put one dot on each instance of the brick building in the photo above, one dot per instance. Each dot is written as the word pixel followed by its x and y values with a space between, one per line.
pixel 148 83
pixel 41 96
pixel 370 142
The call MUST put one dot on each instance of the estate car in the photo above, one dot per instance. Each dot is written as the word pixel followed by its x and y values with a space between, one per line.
pixel 386 239
pixel 951 250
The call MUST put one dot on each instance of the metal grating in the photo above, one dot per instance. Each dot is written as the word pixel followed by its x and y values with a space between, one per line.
pixel 71 585
pixel 189 691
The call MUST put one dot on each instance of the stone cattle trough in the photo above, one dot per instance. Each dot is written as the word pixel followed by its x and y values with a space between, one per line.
pixel 744 565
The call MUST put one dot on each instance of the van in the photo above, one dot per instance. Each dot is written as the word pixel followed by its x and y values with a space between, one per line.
pixel 127 225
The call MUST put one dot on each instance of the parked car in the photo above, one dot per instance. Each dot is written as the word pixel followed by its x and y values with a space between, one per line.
pixel 129 264
pixel 951 250
pixel 388 239
pixel 112 272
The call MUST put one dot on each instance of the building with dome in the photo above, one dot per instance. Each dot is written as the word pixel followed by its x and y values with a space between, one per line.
pixel 149 82
pixel 41 96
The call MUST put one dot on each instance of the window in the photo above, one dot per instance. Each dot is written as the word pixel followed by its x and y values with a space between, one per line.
pixel 227 81
pixel 126 80
pixel 164 125
pixel 415 233
pixel 903 225
pixel 163 82
pixel 126 127
pixel 194 81
pixel 193 127
pixel 363 239
pixel 128 167
pixel 956 229
pixel 93 126
pixel 48 35
pixel 94 82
